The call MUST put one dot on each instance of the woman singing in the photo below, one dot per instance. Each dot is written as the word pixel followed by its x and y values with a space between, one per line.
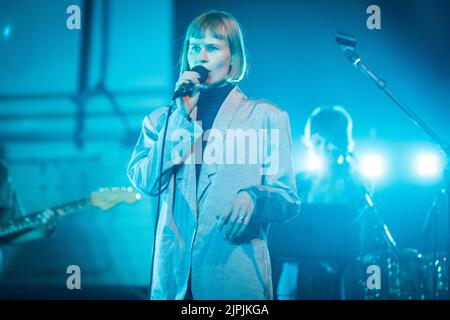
pixel 218 194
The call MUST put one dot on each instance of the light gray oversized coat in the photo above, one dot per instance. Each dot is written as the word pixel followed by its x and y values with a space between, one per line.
pixel 188 243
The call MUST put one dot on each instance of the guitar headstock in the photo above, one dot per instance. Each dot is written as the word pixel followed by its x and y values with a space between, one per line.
pixel 106 198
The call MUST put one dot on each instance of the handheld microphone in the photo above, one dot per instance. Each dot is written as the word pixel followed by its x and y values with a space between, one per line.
pixel 187 88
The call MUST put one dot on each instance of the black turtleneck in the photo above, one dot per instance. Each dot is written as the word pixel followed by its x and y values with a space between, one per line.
pixel 208 106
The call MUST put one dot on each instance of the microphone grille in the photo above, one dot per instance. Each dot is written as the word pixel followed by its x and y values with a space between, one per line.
pixel 202 71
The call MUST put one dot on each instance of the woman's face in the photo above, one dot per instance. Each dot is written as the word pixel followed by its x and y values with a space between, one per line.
pixel 211 53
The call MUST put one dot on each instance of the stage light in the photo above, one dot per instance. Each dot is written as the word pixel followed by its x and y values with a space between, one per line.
pixel 313 162
pixel 427 164
pixel 373 166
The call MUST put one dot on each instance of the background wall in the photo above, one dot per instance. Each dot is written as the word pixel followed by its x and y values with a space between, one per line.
pixel 64 136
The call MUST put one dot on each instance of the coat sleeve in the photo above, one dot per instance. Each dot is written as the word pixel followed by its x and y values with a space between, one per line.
pixel 276 198
pixel 144 166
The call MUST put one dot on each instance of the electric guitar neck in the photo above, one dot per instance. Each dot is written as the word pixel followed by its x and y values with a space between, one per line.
pixel 104 199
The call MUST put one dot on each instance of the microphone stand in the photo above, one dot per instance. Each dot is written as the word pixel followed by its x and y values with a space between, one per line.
pixel 444 147
pixel 171 107
pixel 388 242
pixel 431 226
pixel 183 90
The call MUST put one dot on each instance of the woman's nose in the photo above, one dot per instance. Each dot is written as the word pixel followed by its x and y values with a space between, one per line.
pixel 203 55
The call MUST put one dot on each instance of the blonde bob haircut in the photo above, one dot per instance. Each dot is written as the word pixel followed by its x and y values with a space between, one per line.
pixel 223 26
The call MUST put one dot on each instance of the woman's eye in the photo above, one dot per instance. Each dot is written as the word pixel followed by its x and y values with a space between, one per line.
pixel 211 48
pixel 195 49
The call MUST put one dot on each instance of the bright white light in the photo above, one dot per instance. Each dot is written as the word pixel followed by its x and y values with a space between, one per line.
pixel 428 164
pixel 372 166
pixel 313 162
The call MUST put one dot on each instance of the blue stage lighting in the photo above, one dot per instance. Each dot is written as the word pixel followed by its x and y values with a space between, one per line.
pixel 428 164
pixel 373 166
pixel 313 162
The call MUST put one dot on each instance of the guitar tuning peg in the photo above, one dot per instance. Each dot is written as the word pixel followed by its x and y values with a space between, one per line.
pixel 130 189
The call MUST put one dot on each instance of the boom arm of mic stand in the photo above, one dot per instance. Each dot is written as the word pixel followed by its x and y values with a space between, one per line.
pixel 356 61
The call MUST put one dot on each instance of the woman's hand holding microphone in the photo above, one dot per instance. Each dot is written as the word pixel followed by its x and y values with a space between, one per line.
pixel 190 82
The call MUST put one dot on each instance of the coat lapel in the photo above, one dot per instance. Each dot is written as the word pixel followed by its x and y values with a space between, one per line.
pixel 222 122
